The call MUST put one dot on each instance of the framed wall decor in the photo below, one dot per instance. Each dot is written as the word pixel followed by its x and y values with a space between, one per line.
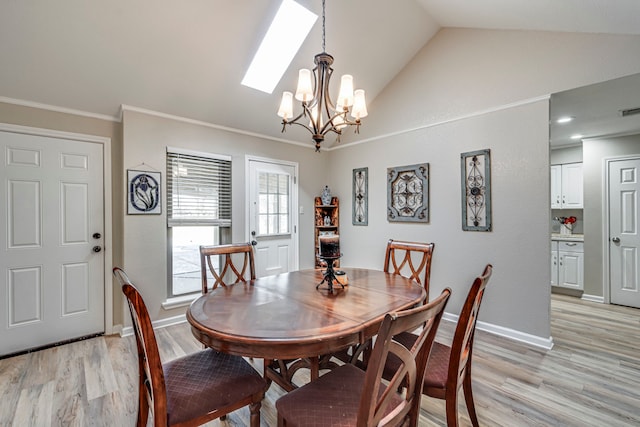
pixel 408 193
pixel 360 196
pixel 476 190
pixel 143 192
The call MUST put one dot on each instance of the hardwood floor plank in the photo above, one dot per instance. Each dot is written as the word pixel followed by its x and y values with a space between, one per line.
pixel 589 379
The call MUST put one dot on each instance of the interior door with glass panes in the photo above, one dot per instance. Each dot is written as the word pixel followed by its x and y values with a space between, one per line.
pixel 273 220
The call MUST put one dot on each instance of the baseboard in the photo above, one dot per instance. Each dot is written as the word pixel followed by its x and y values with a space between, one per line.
pixel 512 334
pixel 593 298
pixel 162 323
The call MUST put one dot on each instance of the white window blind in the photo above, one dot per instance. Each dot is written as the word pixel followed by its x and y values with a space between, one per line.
pixel 198 189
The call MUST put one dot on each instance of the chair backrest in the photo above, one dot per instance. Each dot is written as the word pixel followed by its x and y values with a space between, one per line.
pixel 149 363
pixel 462 344
pixel 410 259
pixel 390 406
pixel 236 271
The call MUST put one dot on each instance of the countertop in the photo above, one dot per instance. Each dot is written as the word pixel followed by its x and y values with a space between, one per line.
pixel 568 237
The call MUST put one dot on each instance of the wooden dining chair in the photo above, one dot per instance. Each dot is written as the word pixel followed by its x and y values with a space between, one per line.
pixel 229 272
pixel 409 259
pixel 449 367
pixel 193 389
pixel 349 396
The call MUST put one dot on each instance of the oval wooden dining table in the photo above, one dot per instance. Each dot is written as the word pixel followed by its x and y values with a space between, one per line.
pixel 284 317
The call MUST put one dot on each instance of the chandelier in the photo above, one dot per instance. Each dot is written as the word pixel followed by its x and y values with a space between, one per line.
pixel 319 114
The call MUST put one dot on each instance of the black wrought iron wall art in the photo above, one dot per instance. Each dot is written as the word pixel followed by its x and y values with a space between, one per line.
pixel 408 193
pixel 361 196
pixel 476 190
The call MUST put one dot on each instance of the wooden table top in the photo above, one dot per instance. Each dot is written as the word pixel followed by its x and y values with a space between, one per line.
pixel 285 317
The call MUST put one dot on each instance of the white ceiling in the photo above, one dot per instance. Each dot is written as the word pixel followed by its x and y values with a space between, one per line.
pixel 187 58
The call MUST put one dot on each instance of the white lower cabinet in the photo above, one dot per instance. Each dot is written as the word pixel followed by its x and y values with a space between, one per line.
pixel 567 264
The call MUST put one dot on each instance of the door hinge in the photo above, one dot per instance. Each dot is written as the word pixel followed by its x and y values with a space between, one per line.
pixel 295 179
pixel 295 228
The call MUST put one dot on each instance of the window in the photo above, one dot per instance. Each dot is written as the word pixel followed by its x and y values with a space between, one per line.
pixel 198 212
pixel 273 204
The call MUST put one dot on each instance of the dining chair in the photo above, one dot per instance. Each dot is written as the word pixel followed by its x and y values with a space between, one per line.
pixel 411 260
pixel 449 367
pixel 349 396
pixel 408 259
pixel 193 389
pixel 229 272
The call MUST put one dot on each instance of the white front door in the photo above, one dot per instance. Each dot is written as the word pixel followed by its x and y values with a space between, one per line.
pixel 273 220
pixel 51 241
pixel 624 233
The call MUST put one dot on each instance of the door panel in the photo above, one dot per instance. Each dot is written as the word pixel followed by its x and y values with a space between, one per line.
pixel 52 286
pixel 273 217
pixel 624 237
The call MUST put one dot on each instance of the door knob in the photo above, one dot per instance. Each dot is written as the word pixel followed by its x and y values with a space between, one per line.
pixel 97 249
pixel 96 235
pixel 616 240
pixel 253 242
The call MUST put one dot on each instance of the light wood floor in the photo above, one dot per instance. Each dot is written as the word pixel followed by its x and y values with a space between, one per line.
pixel 590 378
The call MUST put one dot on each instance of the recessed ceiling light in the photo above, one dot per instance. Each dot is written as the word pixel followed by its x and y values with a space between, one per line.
pixel 288 30
pixel 565 119
pixel 576 136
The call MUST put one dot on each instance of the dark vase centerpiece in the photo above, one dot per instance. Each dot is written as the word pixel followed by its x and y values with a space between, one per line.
pixel 329 252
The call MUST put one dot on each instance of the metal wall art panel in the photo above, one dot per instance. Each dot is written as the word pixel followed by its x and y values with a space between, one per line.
pixel 476 190
pixel 143 192
pixel 408 193
pixel 360 196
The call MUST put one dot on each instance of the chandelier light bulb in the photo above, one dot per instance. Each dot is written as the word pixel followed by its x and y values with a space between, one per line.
pixel 359 105
pixel 345 96
pixel 286 106
pixel 304 92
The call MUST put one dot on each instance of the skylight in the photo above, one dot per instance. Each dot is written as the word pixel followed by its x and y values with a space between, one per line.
pixel 288 30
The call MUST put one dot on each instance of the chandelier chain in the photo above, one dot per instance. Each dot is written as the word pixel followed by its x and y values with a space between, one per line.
pixel 323 28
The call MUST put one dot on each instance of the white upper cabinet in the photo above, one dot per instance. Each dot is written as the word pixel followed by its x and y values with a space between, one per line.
pixel 566 186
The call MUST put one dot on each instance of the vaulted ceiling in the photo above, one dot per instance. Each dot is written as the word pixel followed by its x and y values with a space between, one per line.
pixel 187 58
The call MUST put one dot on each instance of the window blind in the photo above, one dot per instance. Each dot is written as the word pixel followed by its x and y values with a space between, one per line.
pixel 198 190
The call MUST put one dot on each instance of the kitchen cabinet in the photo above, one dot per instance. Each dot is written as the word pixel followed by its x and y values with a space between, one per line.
pixel 566 186
pixel 567 264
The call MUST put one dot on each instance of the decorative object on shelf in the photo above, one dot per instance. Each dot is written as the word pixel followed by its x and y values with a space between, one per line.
pixel 476 190
pixel 566 224
pixel 327 220
pixel 360 196
pixel 143 192
pixel 326 196
pixel 408 193
pixel 319 115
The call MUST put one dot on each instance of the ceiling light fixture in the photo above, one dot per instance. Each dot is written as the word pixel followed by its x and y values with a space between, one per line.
pixel 565 119
pixel 576 136
pixel 324 116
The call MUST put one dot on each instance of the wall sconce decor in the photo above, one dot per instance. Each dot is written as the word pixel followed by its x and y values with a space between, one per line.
pixel 361 196
pixel 476 190
pixel 408 193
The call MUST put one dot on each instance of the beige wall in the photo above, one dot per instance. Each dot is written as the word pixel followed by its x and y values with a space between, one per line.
pixel 468 90
pixel 596 151
pixel 465 90
pixel 145 237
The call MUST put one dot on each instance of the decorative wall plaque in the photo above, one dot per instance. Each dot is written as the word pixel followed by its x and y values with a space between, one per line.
pixel 361 196
pixel 408 193
pixel 476 190
pixel 143 192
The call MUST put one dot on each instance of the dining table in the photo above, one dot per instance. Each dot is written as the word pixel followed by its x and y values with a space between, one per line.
pixel 291 322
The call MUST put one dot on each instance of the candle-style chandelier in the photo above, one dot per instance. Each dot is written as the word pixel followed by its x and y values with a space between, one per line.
pixel 322 115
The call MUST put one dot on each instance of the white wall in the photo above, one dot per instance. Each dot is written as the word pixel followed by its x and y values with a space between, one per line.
pixel 468 90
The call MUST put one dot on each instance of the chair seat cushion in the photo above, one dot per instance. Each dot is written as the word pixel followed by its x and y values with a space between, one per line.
pixel 207 380
pixel 331 400
pixel 437 368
